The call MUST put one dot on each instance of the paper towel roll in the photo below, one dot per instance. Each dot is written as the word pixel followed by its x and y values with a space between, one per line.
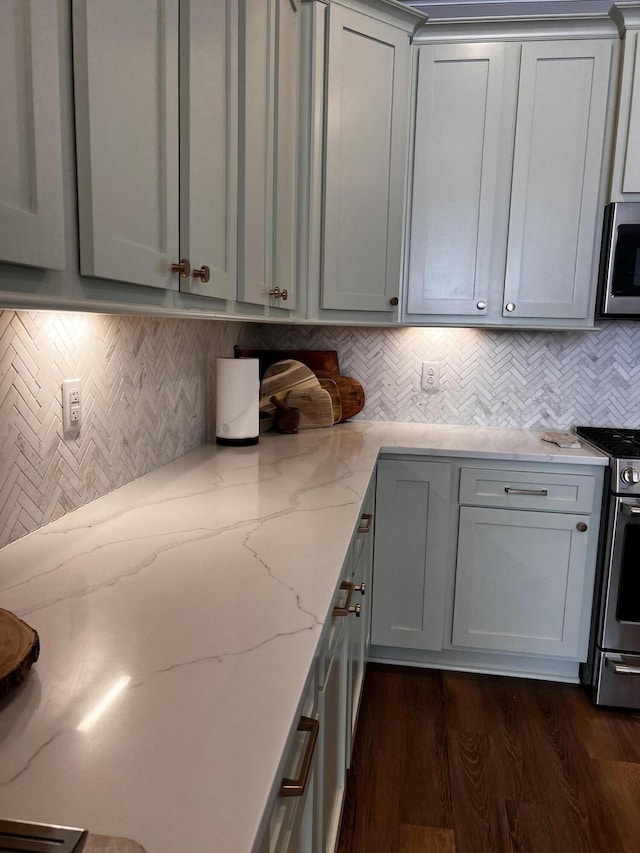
pixel 237 398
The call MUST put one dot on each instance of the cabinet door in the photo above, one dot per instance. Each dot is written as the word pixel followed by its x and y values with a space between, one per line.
pixel 625 181
pixel 365 160
pixel 558 158
pixel 126 86
pixel 31 202
pixel 270 36
pixel 456 164
pixel 519 581
pixel 360 627
pixel 208 144
pixel 411 556
pixel 333 712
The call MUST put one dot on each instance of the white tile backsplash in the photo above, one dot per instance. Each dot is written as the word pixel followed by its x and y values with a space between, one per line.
pixel 501 377
pixel 146 400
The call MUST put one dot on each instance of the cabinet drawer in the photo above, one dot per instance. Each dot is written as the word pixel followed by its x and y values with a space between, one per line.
pixel 527 490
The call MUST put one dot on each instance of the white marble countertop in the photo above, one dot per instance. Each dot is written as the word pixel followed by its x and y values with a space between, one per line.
pixel 206 584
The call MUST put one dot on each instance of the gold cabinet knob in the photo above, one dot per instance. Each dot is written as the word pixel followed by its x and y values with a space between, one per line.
pixel 204 274
pixel 279 294
pixel 582 527
pixel 184 268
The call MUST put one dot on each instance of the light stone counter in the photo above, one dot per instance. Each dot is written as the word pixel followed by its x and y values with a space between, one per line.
pixel 201 590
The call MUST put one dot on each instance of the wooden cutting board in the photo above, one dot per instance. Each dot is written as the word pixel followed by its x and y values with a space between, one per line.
pixel 281 378
pixel 315 359
pixel 110 844
pixel 330 386
pixel 351 394
pixel 316 408
pixel 19 650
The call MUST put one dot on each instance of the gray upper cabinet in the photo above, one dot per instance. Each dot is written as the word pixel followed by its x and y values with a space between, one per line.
pixel 555 217
pixel 209 145
pixel 156 125
pixel 457 164
pixel 625 176
pixel 509 171
pixel 31 194
pixel 269 86
pixel 126 86
pixel 355 128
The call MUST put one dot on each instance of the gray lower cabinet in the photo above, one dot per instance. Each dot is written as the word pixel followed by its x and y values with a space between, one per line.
pixel 412 546
pixel 485 565
pixel 519 580
pixel 310 821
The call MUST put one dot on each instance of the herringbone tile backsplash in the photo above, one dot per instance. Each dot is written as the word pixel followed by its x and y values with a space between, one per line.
pixel 537 380
pixel 147 391
pixel 146 400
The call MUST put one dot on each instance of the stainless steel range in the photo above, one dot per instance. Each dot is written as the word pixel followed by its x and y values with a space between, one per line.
pixel 613 669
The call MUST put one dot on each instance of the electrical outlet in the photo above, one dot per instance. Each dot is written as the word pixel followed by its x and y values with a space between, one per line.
pixel 71 405
pixel 431 375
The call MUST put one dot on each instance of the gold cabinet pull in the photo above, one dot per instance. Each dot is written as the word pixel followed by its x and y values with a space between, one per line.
pixel 204 274
pixel 365 522
pixel 184 268
pixel 279 294
pixel 296 787
pixel 361 588
pixel 344 611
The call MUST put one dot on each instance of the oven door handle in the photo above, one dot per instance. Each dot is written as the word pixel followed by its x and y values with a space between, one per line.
pixel 621 668
pixel 629 509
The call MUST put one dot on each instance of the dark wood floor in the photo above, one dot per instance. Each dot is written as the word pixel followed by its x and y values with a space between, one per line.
pixel 448 762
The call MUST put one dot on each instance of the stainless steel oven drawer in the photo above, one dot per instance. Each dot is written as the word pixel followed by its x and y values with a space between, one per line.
pixel 617 679
pixel 17 835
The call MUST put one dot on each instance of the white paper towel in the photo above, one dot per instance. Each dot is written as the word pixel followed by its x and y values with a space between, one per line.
pixel 237 399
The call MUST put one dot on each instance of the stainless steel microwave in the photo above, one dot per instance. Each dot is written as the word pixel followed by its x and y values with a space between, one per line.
pixel 619 278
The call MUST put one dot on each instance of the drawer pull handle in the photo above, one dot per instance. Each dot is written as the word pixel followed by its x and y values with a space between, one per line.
pixel 627 509
pixel 365 522
pixel 622 668
pixel 344 611
pixel 361 588
pixel 542 493
pixel 296 787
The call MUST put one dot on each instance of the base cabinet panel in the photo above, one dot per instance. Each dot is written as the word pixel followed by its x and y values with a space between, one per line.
pixel 333 709
pixel 519 581
pixel 411 553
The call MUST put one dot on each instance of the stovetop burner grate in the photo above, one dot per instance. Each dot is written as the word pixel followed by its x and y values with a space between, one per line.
pixel 619 443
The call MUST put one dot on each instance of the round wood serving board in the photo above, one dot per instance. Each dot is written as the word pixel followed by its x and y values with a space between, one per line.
pixel 19 649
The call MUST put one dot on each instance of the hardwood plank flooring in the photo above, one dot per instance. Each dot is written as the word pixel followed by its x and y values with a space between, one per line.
pixel 448 762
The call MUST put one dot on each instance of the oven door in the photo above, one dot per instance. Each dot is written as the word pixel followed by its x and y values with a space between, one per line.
pixel 620 630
